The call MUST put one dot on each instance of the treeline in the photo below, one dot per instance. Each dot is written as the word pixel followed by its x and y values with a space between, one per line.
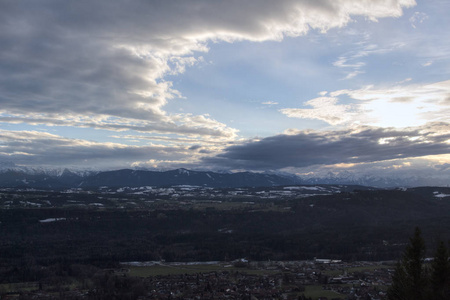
pixel 414 280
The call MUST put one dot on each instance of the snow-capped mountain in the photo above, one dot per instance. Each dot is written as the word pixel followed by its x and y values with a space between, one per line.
pixel 375 181
pixel 17 176
pixel 7 166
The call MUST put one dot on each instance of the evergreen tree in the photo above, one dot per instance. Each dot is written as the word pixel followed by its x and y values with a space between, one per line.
pixel 440 273
pixel 409 280
pixel 399 287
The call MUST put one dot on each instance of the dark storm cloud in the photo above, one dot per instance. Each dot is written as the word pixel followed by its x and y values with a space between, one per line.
pixel 195 147
pixel 335 147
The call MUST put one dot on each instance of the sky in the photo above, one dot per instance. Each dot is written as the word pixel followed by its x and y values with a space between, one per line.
pixel 304 87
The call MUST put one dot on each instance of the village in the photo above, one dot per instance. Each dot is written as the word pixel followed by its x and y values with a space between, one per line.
pixel 279 280
pixel 316 279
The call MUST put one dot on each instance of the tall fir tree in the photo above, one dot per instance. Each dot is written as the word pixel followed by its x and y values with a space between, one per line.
pixel 410 281
pixel 440 273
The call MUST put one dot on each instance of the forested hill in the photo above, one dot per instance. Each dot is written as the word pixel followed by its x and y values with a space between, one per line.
pixel 97 227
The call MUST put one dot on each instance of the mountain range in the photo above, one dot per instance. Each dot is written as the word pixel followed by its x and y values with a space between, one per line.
pixel 19 177
pixel 136 178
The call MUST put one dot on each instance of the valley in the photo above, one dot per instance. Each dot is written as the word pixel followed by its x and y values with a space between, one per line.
pixel 53 237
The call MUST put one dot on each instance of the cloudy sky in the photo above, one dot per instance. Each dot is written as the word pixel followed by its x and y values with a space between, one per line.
pixel 294 86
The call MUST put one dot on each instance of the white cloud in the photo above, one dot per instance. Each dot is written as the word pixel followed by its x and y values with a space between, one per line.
pixel 404 81
pixel 402 106
pixel 352 62
pixel 325 109
pixel 103 64
pixel 417 18
pixel 398 106
pixel 270 103
pixel 172 140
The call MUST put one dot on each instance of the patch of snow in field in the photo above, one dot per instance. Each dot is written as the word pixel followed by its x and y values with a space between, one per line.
pixel 153 263
pixel 311 195
pixel 310 188
pixel 49 220
pixel 187 186
pixel 442 195
pixel 313 188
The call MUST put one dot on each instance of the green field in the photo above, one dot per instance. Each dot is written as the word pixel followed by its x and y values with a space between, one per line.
pixel 355 269
pixel 316 291
pixel 20 286
pixel 190 269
